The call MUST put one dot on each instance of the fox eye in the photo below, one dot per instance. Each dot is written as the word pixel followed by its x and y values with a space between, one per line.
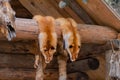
pixel 52 48
pixel 70 46
pixel 78 46
pixel 45 50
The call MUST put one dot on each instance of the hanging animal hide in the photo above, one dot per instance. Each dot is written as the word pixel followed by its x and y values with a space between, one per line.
pixel 113 61
pixel 7 20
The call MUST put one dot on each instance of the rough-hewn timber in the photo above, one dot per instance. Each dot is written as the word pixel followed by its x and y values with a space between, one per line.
pixel 27 29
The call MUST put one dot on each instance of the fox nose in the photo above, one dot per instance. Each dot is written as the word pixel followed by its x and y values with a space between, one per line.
pixel 73 58
pixel 48 59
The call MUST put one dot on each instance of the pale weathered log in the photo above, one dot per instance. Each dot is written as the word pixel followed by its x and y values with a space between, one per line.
pixel 96 34
pixel 27 29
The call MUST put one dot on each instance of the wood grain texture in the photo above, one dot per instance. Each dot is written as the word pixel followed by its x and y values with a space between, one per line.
pixel 100 13
pixel 80 12
pixel 20 10
pixel 27 29
pixel 49 8
pixel 41 7
pixel 71 13
pixel 29 74
pixel 16 60
pixel 26 61
pixel 20 67
pixel 24 48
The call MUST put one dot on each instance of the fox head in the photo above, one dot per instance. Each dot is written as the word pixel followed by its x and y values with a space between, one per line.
pixel 72 45
pixel 47 47
pixel 71 37
pixel 47 37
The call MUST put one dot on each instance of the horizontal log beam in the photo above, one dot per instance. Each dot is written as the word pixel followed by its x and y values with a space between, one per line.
pixel 80 12
pixel 27 29
pixel 77 66
pixel 20 67
pixel 19 47
pixel 17 74
pixel 29 74
pixel 27 62
pixel 16 61
pixel 100 13
pixel 24 47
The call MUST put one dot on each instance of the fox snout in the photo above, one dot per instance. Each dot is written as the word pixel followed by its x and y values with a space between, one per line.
pixel 48 59
pixel 73 58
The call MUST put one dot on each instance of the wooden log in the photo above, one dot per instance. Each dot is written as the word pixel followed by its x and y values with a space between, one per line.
pixel 43 7
pixel 16 74
pixel 16 61
pixel 27 29
pixel 27 62
pixel 29 74
pixel 19 47
pixel 78 76
pixel 77 66
pixel 66 12
pixel 80 12
pixel 100 13
pixel 71 13
pixel 23 47
pixel 96 34
pixel 40 7
pixel 18 67
pixel 20 10
pixel 61 11
pixel 88 50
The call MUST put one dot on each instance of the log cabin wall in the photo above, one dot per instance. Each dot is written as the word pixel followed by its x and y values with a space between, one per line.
pixel 16 61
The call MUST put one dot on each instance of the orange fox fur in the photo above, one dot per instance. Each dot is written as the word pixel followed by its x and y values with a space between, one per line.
pixel 71 36
pixel 47 36
pixel 47 43
pixel 71 42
